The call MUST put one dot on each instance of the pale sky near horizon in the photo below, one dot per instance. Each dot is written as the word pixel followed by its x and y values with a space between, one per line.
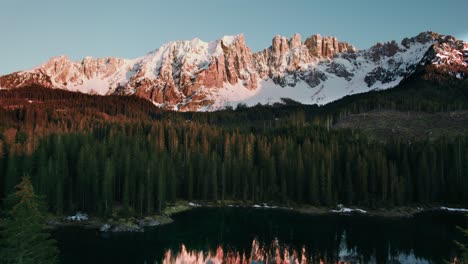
pixel 33 31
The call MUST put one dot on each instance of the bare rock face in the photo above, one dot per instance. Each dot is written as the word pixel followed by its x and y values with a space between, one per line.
pixel 193 75
pixel 447 57
pixel 339 70
pixel 450 51
pixel 155 79
pixel 380 74
pixel 314 44
pixel 421 38
pixel 238 63
pixel 174 75
pixel 183 74
pixel 313 78
pixel 327 47
pixel 285 60
pixel 232 63
pixel 282 57
pixel 22 79
pixel 61 72
pixel 380 50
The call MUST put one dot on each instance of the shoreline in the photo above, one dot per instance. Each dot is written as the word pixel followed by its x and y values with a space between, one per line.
pixel 116 224
pixel 390 212
pixel 138 224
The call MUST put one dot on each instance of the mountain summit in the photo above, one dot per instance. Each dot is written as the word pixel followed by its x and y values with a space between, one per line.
pixel 199 76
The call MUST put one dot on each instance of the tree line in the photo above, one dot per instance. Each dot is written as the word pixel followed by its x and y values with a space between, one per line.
pixel 138 169
pixel 99 153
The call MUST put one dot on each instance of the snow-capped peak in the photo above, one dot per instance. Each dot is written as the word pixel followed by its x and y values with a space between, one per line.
pixel 198 75
pixel 229 40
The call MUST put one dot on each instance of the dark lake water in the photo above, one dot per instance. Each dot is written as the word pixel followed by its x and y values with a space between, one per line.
pixel 425 238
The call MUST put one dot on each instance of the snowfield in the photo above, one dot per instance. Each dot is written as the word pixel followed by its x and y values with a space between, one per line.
pixel 331 89
pixel 196 75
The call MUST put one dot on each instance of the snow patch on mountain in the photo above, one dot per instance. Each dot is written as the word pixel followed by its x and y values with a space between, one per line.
pixel 194 52
pixel 333 86
pixel 267 92
pixel 228 40
pixel 206 76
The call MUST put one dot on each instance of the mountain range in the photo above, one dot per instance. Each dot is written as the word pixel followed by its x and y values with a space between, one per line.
pixel 205 76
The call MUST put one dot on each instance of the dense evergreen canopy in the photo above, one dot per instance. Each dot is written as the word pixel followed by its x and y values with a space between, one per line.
pixel 107 154
pixel 143 167
pixel 23 240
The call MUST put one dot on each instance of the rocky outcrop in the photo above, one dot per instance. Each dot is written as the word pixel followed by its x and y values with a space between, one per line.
pixel 339 70
pixel 447 57
pixel 450 51
pixel 379 51
pixel 174 74
pixel 286 59
pixel 22 79
pixel 282 57
pixel 193 75
pixel 421 38
pixel 61 72
pixel 327 47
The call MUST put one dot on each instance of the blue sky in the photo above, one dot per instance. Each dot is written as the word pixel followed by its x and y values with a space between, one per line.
pixel 33 31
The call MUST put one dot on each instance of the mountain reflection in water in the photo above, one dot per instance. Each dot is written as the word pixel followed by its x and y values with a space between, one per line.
pixel 274 254
pixel 281 236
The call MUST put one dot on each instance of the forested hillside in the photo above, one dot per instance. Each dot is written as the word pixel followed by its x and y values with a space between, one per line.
pixel 143 167
pixel 104 154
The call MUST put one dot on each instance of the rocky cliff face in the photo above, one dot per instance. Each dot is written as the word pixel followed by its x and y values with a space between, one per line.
pixel 285 57
pixel 195 75
pixel 447 57
pixel 180 74
pixel 98 76
pixel 326 47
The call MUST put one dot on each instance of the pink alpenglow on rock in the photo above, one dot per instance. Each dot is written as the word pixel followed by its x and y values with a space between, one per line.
pixel 203 76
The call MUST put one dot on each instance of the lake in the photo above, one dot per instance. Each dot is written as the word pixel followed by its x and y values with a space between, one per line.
pixel 424 238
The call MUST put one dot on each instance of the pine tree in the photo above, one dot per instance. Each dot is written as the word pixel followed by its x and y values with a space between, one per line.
pixel 149 190
pixel 190 182
pixel 348 183
pixel 300 176
pixel 313 189
pixel 462 245
pixel 12 173
pixel 161 186
pixel 23 240
pixel 423 174
pixel 107 186
pixel 223 180
pixel 214 178
pixel 362 172
pixel 126 183
pixel 408 179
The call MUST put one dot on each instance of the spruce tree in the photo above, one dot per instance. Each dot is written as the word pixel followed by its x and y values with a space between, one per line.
pixel 313 189
pixel 462 246
pixel 107 187
pixel 23 240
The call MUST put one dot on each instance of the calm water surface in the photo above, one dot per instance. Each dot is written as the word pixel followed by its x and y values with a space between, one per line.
pixel 425 238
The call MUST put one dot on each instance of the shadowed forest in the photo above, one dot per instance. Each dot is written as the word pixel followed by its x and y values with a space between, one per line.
pixel 106 154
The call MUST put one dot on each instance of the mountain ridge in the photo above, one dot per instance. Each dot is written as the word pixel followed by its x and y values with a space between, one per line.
pixel 204 76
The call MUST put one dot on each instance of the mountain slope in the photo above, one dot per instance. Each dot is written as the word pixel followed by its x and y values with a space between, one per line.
pixel 200 76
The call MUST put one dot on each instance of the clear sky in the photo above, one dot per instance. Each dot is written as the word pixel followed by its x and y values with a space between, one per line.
pixel 32 31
